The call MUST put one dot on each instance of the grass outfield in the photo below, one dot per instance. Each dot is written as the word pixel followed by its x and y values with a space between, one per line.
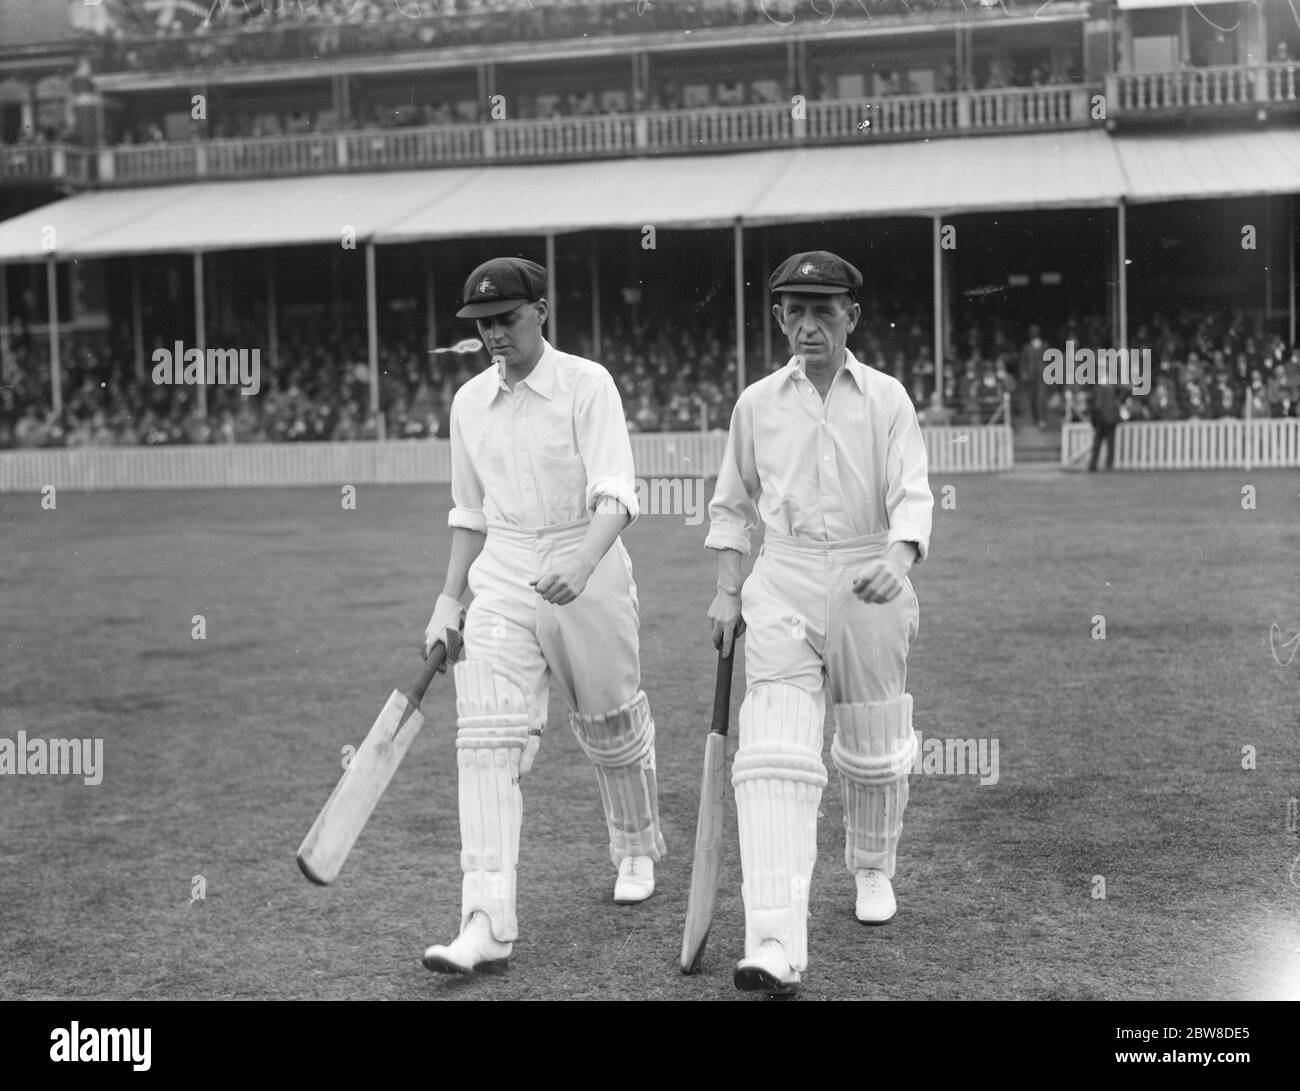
pixel 1120 758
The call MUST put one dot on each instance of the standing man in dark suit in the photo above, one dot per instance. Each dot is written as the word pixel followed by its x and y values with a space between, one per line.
pixel 1106 402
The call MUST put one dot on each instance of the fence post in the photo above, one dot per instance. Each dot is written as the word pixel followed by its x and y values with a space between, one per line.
pixel 1246 430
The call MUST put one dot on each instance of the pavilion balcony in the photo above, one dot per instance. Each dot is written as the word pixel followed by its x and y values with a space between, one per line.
pixel 46 164
pixel 1221 89
pixel 666 132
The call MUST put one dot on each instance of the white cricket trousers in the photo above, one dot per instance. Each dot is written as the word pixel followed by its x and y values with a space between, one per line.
pixel 804 626
pixel 591 646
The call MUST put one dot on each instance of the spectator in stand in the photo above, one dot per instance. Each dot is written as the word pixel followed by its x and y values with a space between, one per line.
pixel 1162 403
pixel 646 417
pixel 945 77
pixel 1008 369
pixel 1257 396
pixel 1059 72
pixel 989 391
pixel 970 389
pixel 1281 394
pixel 999 74
pixel 1222 393
pixel 1218 51
pixel 1194 400
pixel 922 377
pixel 1036 390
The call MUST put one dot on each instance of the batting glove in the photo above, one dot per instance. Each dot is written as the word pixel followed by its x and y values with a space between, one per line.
pixel 448 613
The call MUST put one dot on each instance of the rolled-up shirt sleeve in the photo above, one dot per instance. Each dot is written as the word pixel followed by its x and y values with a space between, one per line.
pixel 466 488
pixel 733 513
pixel 606 450
pixel 908 498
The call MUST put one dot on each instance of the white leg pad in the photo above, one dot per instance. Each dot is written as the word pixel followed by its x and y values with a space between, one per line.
pixel 778 777
pixel 492 730
pixel 621 745
pixel 873 749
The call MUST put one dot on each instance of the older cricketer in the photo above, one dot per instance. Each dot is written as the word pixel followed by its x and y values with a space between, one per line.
pixel 829 455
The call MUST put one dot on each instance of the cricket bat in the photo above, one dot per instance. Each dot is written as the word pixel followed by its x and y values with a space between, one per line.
pixel 708 824
pixel 344 816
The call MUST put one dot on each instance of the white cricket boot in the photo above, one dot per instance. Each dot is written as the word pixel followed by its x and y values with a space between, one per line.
pixel 474 949
pixel 876 902
pixel 636 880
pixel 768 970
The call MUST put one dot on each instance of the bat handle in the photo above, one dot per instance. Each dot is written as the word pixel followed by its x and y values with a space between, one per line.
pixel 432 666
pixel 722 693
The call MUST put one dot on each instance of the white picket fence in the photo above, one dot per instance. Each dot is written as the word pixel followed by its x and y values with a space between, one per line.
pixel 977 449
pixel 1191 444
pixel 657 454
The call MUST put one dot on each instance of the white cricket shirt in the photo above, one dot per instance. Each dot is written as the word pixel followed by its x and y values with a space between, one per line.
pixel 553 450
pixel 826 471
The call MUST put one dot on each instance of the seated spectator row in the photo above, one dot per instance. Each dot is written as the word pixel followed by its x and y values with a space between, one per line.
pixel 672 378
pixel 241 31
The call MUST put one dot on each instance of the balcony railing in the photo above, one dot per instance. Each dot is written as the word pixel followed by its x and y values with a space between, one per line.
pixel 673 132
pixel 1203 88
pixel 1013 109
pixel 45 163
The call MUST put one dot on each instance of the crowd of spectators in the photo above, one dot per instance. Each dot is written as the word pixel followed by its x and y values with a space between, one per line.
pixel 319 389
pixel 1203 366
pixel 678 377
pixel 149 36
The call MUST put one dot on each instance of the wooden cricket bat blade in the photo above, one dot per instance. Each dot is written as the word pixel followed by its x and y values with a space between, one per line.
pixel 344 816
pixel 708 854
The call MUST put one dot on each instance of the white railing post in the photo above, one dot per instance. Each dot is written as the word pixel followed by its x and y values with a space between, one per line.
pixel 1247 432
pixel 1078 108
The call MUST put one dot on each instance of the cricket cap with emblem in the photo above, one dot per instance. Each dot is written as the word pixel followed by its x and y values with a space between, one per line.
pixel 817 272
pixel 501 285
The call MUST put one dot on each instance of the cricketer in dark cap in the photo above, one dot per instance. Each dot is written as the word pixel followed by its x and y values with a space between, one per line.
pixel 817 309
pixel 507 298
